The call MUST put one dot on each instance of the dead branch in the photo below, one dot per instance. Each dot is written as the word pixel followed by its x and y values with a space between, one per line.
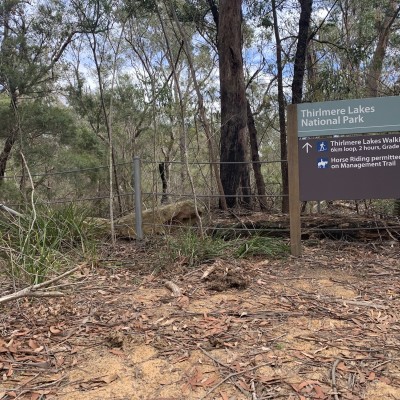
pixel 174 288
pixel 232 375
pixel 346 302
pixel 253 390
pixel 36 290
pixel 10 210
pixel 333 376
pixel 214 359
pixel 209 271
pixel 362 304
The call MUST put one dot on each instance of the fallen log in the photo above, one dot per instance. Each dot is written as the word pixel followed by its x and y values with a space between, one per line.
pixel 337 227
pixel 155 221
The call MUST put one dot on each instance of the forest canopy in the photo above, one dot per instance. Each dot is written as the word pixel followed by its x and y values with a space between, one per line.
pixel 86 84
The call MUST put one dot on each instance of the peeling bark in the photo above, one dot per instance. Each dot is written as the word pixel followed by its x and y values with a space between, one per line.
pixel 233 101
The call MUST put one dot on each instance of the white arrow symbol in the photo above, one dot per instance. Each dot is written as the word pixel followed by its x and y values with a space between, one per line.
pixel 307 146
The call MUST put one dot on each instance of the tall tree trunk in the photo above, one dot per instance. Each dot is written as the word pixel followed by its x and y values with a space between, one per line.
pixel 259 179
pixel 375 67
pixel 233 100
pixel 163 168
pixel 297 84
pixel 281 113
pixel 301 51
pixel 300 61
pixel 255 157
pixel 12 136
pixel 374 71
pixel 5 154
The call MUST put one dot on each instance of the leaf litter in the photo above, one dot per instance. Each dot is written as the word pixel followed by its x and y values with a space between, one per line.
pixel 324 326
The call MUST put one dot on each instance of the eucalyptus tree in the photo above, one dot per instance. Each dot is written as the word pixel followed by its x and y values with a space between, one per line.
pixel 234 133
pixel 354 50
pixel 156 60
pixel 212 36
pixel 385 19
pixel 33 38
pixel 176 71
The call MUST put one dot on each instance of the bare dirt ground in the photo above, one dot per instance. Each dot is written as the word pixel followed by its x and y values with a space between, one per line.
pixel 324 326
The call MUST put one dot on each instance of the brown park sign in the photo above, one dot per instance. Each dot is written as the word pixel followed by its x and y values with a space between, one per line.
pixel 350 168
pixel 325 163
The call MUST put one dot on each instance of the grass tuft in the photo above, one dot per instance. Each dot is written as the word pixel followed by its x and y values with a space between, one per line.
pixel 262 246
pixel 193 249
pixel 44 240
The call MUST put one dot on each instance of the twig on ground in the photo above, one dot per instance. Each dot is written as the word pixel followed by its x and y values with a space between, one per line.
pixel 221 364
pixel 333 376
pixel 253 390
pixel 176 291
pixel 208 271
pixel 231 376
pixel 214 359
pixel 10 210
pixel 350 302
pixel 35 290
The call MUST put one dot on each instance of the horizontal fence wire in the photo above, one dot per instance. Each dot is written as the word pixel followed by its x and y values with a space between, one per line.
pixel 91 185
pixel 277 230
pixel 80 170
pixel 65 172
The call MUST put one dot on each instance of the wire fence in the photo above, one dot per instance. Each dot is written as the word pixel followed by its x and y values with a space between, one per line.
pixel 161 183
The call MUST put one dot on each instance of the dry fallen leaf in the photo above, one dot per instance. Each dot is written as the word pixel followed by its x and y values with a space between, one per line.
pixel 371 376
pixel 224 396
pixel 117 352
pixel 319 392
pixel 33 344
pixel 244 385
pixel 60 361
pixel 10 371
pixel 209 381
pixel 54 330
pixel 21 333
pixel 342 367
pixel 302 385
pixel 110 378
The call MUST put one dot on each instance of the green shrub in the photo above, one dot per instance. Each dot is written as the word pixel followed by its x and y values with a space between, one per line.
pixel 194 249
pixel 262 246
pixel 44 240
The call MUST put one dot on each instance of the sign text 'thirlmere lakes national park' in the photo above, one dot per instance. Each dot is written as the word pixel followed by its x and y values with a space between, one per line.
pixel 381 114
pixel 339 116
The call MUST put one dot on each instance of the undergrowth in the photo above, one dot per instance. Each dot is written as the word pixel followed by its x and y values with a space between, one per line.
pixel 262 246
pixel 44 240
pixel 191 249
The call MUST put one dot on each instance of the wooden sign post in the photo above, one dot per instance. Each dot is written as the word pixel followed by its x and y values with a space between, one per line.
pixel 333 167
pixel 294 185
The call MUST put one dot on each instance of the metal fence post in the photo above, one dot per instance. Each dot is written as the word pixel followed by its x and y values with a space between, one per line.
pixel 138 197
